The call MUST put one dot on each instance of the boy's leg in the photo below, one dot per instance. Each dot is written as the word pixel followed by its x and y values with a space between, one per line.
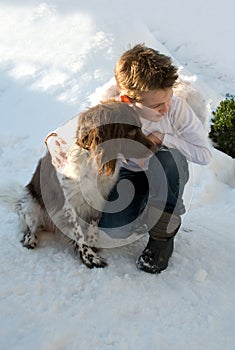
pixel 169 174
pixel 125 203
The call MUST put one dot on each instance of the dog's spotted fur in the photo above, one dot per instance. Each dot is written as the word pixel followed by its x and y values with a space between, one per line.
pixel 69 203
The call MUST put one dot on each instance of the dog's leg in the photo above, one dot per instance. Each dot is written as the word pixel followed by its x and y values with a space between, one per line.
pixel 92 233
pixel 29 239
pixel 88 254
pixel 29 213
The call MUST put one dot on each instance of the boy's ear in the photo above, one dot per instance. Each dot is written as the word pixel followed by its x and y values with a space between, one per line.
pixel 125 99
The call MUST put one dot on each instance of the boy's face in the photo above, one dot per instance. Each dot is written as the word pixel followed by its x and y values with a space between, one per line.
pixel 158 100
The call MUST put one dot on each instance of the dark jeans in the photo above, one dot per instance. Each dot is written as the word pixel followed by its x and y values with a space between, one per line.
pixel 161 186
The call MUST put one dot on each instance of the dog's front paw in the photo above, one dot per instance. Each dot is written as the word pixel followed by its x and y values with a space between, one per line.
pixel 90 257
pixel 29 241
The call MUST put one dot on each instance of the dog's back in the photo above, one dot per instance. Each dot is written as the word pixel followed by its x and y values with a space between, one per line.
pixel 41 200
pixel 44 186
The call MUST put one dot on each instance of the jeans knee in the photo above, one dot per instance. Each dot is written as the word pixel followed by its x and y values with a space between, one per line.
pixel 173 162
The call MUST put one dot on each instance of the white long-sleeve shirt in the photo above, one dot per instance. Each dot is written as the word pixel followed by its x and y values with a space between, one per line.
pixel 182 130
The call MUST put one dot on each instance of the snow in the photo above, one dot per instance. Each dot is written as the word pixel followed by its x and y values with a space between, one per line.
pixel 56 56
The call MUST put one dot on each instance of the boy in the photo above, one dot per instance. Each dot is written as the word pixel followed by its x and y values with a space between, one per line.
pixel 145 78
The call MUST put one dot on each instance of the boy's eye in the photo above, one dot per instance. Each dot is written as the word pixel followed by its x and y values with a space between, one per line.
pixel 155 106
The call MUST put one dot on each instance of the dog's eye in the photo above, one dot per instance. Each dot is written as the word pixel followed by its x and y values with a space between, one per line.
pixel 132 133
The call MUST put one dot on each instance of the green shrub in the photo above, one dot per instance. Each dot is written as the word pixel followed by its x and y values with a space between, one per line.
pixel 222 131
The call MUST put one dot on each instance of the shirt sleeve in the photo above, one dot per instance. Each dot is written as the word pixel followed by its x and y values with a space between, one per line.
pixel 189 135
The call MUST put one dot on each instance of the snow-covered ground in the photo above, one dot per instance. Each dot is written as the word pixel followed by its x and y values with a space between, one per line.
pixel 55 58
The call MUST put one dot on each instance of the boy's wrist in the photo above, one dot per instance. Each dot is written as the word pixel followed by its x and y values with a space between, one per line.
pixel 156 137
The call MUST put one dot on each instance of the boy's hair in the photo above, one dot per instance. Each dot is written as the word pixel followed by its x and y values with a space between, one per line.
pixel 143 69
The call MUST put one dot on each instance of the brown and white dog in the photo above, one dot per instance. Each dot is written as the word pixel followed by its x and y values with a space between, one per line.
pixel 71 202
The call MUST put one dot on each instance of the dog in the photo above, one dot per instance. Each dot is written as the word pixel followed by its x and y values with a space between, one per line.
pixel 71 202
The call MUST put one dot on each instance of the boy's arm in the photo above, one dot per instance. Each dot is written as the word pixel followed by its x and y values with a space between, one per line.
pixel 189 135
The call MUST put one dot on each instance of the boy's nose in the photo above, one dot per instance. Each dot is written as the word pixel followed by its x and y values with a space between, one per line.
pixel 164 108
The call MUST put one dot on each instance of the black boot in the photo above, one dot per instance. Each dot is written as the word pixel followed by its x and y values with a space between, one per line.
pixel 155 256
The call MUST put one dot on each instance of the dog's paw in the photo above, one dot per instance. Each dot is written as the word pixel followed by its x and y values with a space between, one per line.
pixel 29 241
pixel 90 257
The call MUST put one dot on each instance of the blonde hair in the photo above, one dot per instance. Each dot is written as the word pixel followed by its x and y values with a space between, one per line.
pixel 142 69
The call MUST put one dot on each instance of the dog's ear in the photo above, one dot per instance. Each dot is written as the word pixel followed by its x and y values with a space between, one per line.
pixel 107 148
pixel 82 142
pixel 87 139
pixel 108 168
pixel 99 142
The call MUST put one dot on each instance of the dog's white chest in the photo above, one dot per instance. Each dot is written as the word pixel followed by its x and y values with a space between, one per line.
pixel 83 187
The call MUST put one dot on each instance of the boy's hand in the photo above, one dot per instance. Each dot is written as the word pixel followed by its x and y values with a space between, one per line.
pixel 156 137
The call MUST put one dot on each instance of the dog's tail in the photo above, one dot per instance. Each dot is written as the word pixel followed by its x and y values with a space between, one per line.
pixel 10 195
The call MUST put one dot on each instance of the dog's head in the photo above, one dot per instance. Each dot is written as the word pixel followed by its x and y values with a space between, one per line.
pixel 110 129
